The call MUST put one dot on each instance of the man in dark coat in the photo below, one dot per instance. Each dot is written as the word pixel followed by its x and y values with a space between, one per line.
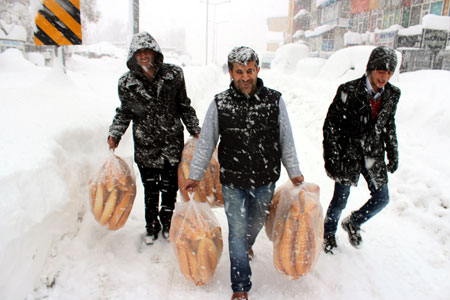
pixel 255 134
pixel 359 130
pixel 153 96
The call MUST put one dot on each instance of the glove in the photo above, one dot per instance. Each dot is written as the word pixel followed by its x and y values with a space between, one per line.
pixel 392 166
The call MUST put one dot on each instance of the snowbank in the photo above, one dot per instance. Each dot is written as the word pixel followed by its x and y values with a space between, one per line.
pixel 287 56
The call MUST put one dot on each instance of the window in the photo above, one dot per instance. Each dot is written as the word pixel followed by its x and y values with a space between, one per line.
pixel 436 8
pixel 405 17
pixel 415 15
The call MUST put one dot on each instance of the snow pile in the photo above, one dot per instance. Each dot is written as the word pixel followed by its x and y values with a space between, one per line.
pixel 287 56
pixel 12 60
pixel 36 58
pixel 309 67
pixel 352 38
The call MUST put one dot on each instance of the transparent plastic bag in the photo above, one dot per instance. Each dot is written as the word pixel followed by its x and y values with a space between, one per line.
pixel 196 238
pixel 210 189
pixel 295 226
pixel 112 193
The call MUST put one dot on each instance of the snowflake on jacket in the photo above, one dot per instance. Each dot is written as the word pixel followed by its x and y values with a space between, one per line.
pixel 156 108
pixel 353 138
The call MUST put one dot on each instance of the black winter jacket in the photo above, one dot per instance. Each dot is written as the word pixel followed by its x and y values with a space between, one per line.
pixel 156 108
pixel 351 137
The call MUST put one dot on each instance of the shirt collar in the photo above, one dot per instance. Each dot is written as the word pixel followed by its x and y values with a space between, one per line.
pixel 371 91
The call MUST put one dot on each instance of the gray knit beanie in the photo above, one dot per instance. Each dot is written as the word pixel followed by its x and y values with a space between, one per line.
pixel 382 58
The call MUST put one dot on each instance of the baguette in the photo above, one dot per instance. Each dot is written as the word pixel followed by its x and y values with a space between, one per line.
pixel 183 261
pixel 98 204
pixel 110 204
pixel 120 209
pixel 207 260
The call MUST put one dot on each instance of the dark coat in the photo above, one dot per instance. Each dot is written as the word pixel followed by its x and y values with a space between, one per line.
pixel 351 137
pixel 156 108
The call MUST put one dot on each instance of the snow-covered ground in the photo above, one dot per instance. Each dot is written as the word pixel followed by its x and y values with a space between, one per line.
pixel 53 139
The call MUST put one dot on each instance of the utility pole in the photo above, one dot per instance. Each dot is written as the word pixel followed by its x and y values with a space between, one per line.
pixel 207 21
pixel 135 16
pixel 214 27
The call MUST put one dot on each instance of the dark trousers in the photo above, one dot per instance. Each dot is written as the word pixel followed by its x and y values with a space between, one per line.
pixel 158 181
pixel 379 199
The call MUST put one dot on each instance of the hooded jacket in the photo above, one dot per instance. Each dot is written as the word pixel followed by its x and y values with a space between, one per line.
pixel 351 137
pixel 157 108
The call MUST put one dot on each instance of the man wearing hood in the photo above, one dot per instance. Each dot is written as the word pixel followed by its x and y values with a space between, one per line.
pixel 153 96
pixel 359 130
pixel 255 136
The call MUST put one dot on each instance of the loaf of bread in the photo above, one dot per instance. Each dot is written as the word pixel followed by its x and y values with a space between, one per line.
pixel 197 241
pixel 112 193
pixel 295 226
pixel 210 189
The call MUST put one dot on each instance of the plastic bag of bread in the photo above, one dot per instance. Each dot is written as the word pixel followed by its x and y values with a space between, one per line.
pixel 112 193
pixel 196 238
pixel 295 226
pixel 210 189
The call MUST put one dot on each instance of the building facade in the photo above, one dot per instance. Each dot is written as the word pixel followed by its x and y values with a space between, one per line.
pixel 324 23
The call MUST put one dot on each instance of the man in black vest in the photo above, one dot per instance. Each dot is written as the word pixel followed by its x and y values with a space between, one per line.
pixel 359 130
pixel 255 136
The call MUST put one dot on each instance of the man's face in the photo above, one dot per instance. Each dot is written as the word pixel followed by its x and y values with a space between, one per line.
pixel 379 78
pixel 146 59
pixel 244 77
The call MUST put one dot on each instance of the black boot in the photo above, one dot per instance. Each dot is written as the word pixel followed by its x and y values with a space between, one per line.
pixel 152 232
pixel 329 243
pixel 166 232
pixel 353 231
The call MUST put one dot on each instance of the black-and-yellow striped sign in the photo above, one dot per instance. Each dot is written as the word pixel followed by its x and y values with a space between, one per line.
pixel 58 23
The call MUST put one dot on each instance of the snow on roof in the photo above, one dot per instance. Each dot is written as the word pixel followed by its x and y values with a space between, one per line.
pixel 436 22
pixel 390 29
pixel 302 12
pixel 411 30
pixel 12 32
pixel 323 3
pixel 319 30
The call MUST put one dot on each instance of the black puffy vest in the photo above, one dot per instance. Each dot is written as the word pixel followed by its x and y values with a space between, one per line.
pixel 249 148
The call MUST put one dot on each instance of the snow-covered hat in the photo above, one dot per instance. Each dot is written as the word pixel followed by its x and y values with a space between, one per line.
pixel 382 58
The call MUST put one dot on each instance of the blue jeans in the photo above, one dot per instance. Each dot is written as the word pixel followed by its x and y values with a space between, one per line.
pixel 379 199
pixel 246 214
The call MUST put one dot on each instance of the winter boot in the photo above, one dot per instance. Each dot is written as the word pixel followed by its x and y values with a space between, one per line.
pixel 150 239
pixel 353 231
pixel 152 233
pixel 329 243
pixel 239 296
pixel 166 232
